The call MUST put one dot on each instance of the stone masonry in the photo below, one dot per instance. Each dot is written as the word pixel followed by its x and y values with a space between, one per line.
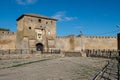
pixel 39 32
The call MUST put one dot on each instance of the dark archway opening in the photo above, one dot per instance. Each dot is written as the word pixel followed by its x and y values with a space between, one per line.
pixel 39 47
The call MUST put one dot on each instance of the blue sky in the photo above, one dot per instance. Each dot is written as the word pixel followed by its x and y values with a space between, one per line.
pixel 92 17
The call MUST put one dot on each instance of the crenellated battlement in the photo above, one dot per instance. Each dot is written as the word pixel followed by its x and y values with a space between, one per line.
pixel 7 33
pixel 101 37
pixel 62 37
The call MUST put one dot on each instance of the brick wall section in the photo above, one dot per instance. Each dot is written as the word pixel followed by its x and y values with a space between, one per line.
pixel 74 43
pixel 100 42
pixel 63 43
pixel 7 40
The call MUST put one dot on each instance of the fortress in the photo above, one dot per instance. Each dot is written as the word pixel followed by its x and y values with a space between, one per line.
pixel 39 32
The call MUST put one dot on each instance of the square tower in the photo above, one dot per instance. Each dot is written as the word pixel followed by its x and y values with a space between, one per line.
pixel 36 31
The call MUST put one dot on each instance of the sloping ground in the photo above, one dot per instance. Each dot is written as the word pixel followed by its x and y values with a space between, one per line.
pixel 70 68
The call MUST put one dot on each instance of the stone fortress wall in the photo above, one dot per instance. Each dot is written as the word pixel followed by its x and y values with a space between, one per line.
pixel 78 43
pixel 7 40
pixel 101 42
pixel 70 43
pixel 66 43
pixel 34 29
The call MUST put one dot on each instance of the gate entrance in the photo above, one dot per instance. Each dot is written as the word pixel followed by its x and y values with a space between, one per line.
pixel 39 47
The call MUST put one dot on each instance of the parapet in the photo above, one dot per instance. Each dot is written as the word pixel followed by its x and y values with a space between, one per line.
pixel 63 37
pixel 6 33
pixel 69 36
pixel 98 37
pixel 101 37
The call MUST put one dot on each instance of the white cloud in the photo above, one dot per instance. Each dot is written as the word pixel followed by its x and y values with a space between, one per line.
pixel 25 2
pixel 61 16
pixel 70 18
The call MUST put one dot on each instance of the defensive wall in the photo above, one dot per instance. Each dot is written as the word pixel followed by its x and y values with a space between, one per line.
pixel 78 43
pixel 7 40
pixel 37 33
pixel 100 42
pixel 66 43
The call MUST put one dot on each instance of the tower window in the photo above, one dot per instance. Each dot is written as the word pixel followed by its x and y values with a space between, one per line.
pixel 29 27
pixel 39 20
pixel 46 22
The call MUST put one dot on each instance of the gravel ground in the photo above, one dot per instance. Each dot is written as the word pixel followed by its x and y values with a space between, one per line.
pixel 14 62
pixel 69 68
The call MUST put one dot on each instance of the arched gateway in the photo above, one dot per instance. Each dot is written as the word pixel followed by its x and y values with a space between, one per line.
pixel 39 47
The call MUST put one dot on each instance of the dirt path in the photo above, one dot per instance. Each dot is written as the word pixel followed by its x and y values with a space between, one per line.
pixel 72 68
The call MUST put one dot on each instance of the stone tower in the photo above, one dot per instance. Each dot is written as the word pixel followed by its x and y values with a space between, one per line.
pixel 36 31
